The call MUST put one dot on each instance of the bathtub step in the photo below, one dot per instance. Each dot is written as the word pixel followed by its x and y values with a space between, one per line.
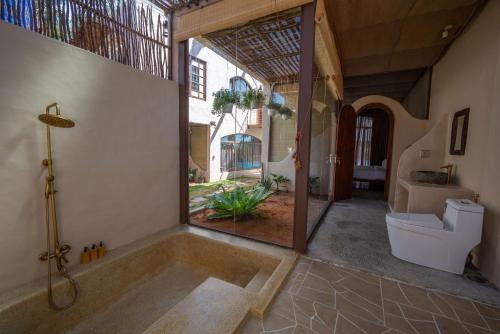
pixel 258 281
pixel 215 306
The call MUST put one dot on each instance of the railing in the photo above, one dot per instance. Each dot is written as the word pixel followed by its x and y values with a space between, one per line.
pixel 240 152
pixel 120 30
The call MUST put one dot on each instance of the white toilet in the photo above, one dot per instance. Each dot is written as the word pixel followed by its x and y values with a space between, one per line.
pixel 424 239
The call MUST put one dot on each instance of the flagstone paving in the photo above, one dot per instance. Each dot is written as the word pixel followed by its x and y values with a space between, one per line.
pixel 324 298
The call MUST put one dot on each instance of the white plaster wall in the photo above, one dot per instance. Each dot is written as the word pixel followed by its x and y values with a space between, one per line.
pixel 219 72
pixel 468 76
pixel 407 130
pixel 116 171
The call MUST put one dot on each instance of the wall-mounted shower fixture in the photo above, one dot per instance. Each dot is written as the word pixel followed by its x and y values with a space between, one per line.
pixel 55 250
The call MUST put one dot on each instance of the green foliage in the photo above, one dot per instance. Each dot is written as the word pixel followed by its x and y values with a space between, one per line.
pixel 220 187
pixel 279 179
pixel 285 112
pixel 313 180
pixel 238 203
pixel 266 183
pixel 222 98
pixel 252 99
pixel 192 174
pixel 273 106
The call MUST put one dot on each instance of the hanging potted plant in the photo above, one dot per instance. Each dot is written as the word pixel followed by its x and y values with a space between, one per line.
pixel 224 100
pixel 273 108
pixel 253 99
pixel 285 112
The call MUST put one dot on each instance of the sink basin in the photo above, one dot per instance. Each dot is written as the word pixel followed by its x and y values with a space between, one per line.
pixel 428 176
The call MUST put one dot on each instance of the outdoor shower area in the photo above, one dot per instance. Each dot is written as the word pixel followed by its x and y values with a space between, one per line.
pixel 269 98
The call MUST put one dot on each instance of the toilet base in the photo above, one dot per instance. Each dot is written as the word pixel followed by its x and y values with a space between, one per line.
pixel 426 249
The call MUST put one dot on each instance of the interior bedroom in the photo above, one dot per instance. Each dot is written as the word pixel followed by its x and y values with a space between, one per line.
pixel 371 154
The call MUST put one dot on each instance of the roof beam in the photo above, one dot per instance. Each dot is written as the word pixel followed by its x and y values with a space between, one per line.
pixel 326 53
pixel 225 14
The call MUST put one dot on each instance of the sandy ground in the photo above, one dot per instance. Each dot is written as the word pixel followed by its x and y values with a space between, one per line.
pixel 275 224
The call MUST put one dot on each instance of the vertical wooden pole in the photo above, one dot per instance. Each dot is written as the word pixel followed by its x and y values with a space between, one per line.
pixel 182 80
pixel 304 125
pixel 170 46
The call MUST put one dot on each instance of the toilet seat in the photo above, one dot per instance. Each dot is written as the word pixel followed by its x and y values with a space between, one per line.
pixel 415 219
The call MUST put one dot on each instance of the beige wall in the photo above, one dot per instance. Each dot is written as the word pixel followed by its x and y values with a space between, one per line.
pixel 407 130
pixel 116 172
pixel 469 77
pixel 199 148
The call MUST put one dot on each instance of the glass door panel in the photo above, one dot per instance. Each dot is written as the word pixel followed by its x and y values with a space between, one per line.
pixel 320 185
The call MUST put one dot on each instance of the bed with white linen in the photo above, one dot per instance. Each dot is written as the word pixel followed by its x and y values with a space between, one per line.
pixel 369 173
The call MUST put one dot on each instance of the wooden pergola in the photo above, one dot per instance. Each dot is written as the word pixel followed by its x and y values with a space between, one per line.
pixel 263 37
pixel 269 48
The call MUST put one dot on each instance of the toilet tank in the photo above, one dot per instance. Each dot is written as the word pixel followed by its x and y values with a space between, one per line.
pixel 464 217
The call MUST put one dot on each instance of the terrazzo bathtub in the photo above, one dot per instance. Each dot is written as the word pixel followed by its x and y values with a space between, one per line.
pixel 138 288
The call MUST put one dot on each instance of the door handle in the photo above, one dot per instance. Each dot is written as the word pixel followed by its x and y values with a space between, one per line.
pixel 337 160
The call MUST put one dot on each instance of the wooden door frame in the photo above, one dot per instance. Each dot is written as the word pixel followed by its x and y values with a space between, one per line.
pixel 390 141
pixel 303 122
pixel 183 81
pixel 304 126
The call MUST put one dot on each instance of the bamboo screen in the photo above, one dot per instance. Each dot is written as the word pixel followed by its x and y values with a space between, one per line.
pixel 120 30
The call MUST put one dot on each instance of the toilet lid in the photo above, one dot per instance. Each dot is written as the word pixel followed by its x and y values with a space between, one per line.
pixel 418 219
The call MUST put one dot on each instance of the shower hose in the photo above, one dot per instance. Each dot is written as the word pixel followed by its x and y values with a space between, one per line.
pixel 60 267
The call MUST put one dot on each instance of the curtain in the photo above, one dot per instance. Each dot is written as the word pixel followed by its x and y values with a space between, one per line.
pixel 363 140
pixel 380 137
pixel 372 135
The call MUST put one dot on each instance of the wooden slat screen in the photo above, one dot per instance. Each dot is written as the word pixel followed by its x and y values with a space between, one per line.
pixel 120 30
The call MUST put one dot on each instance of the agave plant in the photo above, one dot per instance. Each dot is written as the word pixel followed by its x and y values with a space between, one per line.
pixel 265 183
pixel 238 203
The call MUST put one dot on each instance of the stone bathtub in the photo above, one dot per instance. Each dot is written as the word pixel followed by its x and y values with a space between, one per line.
pixel 185 280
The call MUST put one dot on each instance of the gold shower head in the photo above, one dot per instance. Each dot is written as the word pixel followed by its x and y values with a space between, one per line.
pixel 56 120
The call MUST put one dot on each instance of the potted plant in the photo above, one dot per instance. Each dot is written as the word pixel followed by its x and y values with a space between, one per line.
pixel 272 108
pixel 224 100
pixel 285 112
pixel 253 99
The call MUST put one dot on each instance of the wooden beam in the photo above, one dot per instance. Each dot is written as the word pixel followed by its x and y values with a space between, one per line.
pixel 182 80
pixel 227 13
pixel 326 53
pixel 304 127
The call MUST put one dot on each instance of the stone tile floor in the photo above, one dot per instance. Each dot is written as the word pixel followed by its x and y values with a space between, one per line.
pixel 320 297
pixel 354 233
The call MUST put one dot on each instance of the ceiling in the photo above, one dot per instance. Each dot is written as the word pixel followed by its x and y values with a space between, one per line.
pixel 395 85
pixel 394 35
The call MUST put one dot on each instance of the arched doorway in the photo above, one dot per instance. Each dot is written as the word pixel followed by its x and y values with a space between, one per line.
pixel 373 148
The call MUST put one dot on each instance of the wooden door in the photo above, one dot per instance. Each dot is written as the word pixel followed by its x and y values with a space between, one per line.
pixel 344 154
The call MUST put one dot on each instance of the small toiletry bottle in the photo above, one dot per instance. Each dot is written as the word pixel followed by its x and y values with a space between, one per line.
pixel 85 256
pixel 101 250
pixel 93 253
